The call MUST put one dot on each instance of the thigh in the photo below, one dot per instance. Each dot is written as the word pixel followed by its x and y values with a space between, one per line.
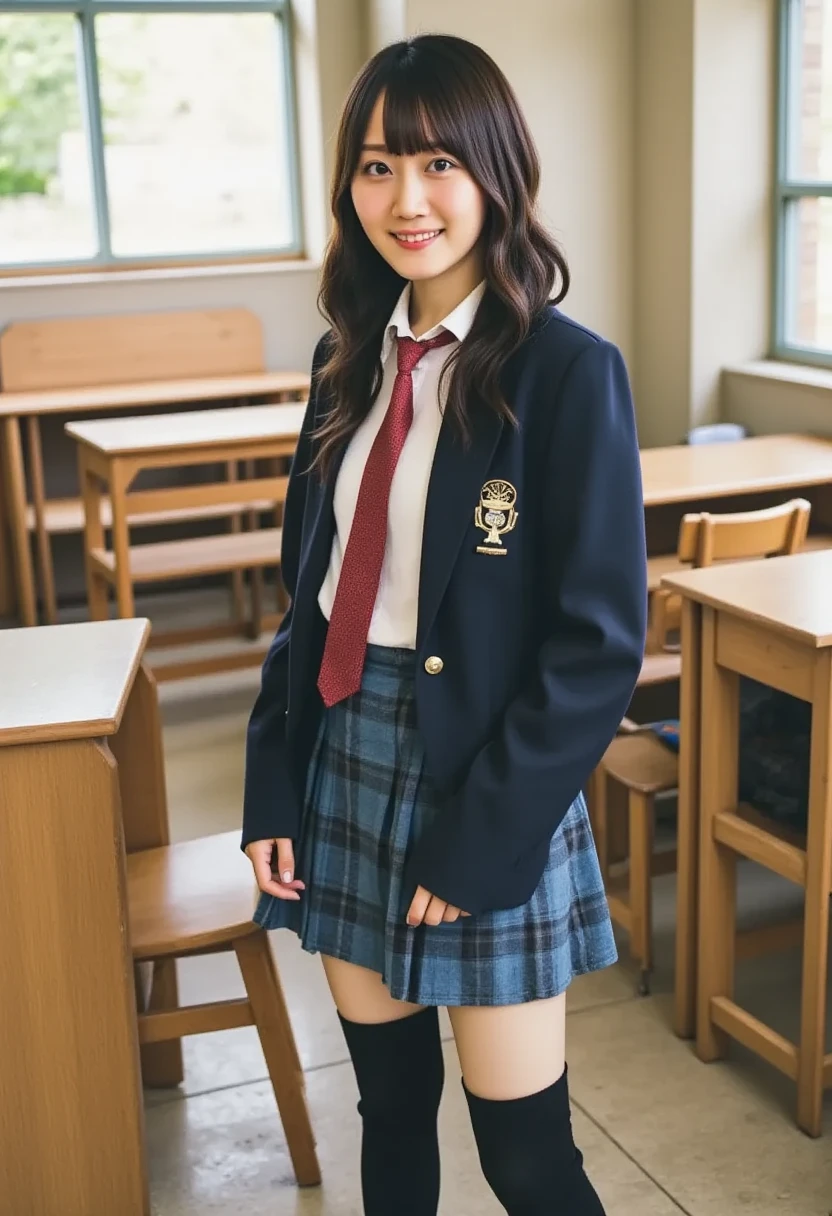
pixel 360 995
pixel 511 1051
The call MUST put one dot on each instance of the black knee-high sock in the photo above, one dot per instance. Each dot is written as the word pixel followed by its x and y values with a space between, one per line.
pixel 400 1073
pixel 529 1157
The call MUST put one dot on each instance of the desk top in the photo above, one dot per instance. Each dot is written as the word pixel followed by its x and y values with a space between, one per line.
pixel 789 595
pixel 67 681
pixel 686 473
pixel 200 428
pixel 151 392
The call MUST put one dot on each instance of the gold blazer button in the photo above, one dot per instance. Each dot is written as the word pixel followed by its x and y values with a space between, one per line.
pixel 433 665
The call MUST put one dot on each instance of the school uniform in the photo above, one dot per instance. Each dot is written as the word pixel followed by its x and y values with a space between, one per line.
pixel 505 642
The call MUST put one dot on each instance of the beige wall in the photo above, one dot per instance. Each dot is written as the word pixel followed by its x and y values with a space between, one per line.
pixel 663 202
pixel 572 65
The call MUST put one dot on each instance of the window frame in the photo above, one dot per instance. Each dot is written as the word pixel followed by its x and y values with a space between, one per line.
pixel 85 12
pixel 788 192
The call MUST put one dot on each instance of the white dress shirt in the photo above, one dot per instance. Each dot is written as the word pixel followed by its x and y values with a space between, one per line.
pixel 394 616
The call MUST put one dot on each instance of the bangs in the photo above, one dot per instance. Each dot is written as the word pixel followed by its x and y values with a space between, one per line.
pixel 418 115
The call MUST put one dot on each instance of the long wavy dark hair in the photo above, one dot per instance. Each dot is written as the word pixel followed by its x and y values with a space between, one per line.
pixel 440 92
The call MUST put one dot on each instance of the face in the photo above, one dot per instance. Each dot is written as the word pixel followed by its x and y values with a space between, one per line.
pixel 424 214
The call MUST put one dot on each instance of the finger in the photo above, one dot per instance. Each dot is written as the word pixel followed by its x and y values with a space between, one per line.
pixel 465 914
pixel 435 912
pixel 260 857
pixel 285 862
pixel 451 914
pixel 419 906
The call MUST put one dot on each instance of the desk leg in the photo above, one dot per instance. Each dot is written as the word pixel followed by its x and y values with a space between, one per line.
pixel 70 1101
pixel 47 574
pixel 7 599
pixel 684 1012
pixel 718 785
pixel 120 478
pixel 138 749
pixel 16 490
pixel 816 914
pixel 98 594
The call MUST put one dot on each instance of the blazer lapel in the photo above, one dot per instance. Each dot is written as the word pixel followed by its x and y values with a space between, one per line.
pixel 453 493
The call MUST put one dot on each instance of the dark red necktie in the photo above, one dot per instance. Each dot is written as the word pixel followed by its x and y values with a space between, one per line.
pixel 355 598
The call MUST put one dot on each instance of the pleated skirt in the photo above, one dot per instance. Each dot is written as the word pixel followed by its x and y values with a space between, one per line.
pixel 368 798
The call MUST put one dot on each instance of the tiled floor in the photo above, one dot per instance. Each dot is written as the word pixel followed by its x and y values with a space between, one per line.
pixel 661 1132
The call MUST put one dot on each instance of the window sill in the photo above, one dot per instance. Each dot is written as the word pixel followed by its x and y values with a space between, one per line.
pixel 156 274
pixel 771 397
pixel 793 374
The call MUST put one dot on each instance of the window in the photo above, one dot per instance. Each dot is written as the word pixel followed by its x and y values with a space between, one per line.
pixel 803 277
pixel 146 131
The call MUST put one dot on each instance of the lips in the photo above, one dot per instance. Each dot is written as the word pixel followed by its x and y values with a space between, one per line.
pixel 416 240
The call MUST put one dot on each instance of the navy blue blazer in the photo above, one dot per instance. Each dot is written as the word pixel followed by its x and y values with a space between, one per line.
pixel 541 643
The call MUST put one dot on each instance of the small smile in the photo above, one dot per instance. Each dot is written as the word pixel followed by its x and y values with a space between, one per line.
pixel 416 240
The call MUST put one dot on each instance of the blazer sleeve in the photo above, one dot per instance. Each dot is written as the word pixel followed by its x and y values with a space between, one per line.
pixel 270 807
pixel 487 848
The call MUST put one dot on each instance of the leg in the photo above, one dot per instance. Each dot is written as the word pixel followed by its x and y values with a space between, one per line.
pixel 16 490
pixel 120 478
pixel 514 1073
pixel 684 1011
pixel 47 578
pixel 816 913
pixel 717 864
pixel 641 884
pixel 98 592
pixel 278 1042
pixel 397 1055
pixel 598 812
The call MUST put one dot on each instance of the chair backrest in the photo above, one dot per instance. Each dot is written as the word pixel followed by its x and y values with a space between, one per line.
pixel 79 352
pixel 771 532
pixel 737 536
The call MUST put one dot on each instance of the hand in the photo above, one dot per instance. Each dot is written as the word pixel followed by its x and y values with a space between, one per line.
pixel 286 886
pixel 431 910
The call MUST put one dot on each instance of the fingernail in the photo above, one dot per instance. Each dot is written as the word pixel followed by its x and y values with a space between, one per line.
pixel 287 875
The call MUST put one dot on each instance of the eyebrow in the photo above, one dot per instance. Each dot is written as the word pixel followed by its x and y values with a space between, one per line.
pixel 374 148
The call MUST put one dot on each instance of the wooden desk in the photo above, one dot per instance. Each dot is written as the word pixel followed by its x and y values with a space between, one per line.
pixel 770 621
pixel 744 476
pixel 81 780
pixel 111 454
pixel 46 518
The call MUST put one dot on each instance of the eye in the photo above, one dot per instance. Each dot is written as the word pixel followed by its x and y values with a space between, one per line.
pixel 441 164
pixel 375 168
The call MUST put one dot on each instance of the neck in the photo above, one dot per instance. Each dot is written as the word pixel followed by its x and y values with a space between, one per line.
pixel 432 299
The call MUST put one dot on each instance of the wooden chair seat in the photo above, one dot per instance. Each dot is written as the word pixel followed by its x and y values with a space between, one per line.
pixel 189 896
pixel 197 555
pixel 642 762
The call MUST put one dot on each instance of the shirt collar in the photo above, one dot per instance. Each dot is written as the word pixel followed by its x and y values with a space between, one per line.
pixel 458 321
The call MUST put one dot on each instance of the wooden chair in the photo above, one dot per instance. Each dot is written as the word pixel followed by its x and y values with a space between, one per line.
pixel 197 898
pixel 636 759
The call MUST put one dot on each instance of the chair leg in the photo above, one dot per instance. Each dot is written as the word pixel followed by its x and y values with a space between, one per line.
pixel 641 884
pixel 162 1066
pixel 597 806
pixel 278 1042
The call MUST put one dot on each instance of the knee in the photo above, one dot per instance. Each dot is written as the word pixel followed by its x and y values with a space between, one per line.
pixel 399 1068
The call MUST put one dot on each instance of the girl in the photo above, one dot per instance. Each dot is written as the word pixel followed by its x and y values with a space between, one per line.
pixel 464 551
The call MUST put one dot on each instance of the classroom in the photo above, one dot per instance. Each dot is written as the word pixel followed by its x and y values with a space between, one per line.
pixel 331 850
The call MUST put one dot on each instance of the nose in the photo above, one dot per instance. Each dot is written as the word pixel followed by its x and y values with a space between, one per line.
pixel 410 200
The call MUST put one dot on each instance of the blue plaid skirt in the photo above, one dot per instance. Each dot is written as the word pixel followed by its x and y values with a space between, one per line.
pixel 368 797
